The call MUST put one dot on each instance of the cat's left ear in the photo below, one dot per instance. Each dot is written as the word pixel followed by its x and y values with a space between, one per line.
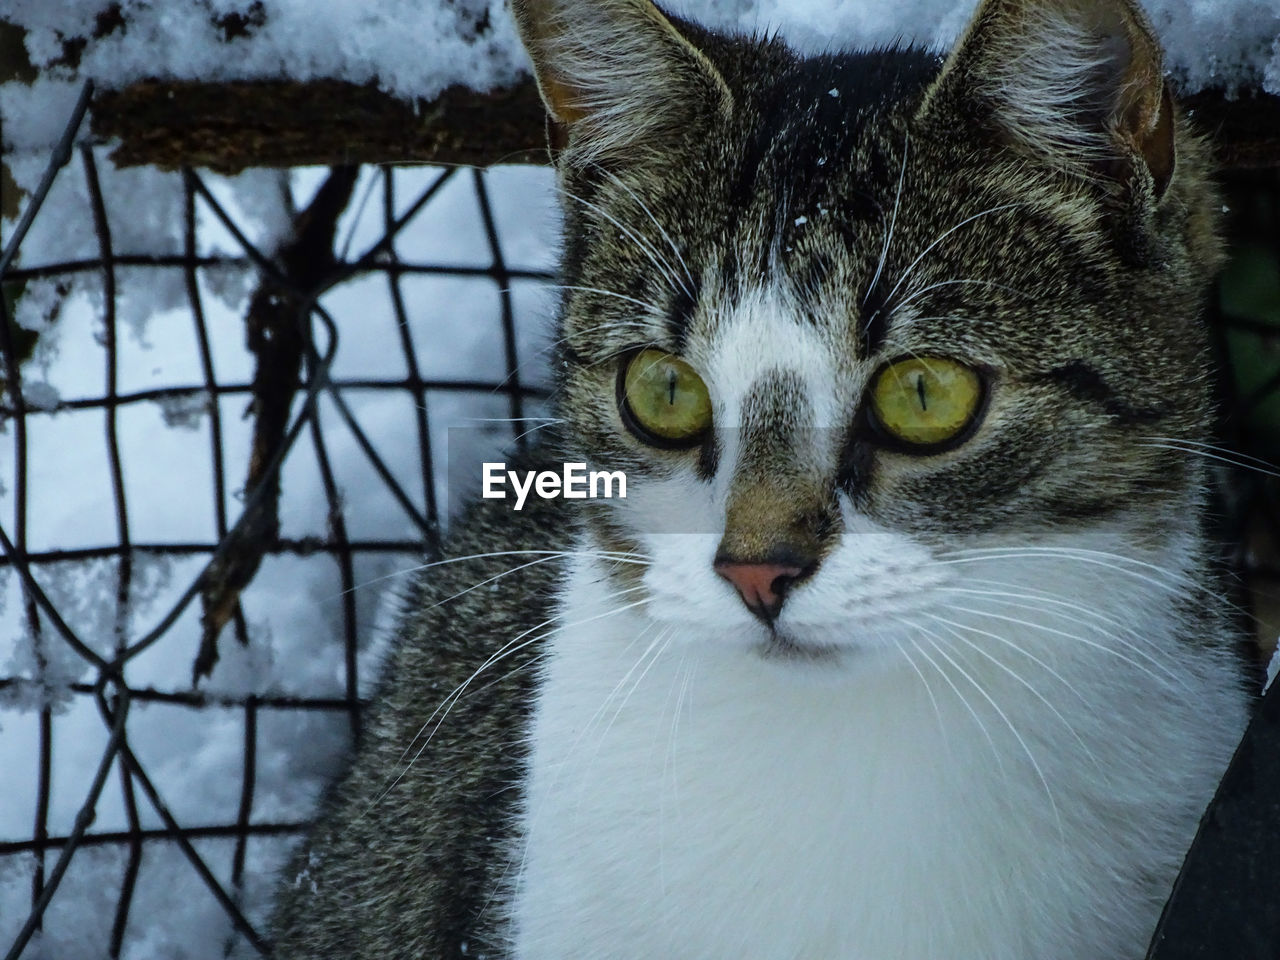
pixel 1078 83
pixel 618 77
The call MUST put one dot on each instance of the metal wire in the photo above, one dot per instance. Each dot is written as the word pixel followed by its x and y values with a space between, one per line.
pixel 110 693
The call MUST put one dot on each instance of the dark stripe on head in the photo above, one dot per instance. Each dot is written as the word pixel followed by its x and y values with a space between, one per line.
pixel 873 324
pixel 708 457
pixel 857 461
pixel 812 119
pixel 772 413
pixel 1088 386
pixel 680 311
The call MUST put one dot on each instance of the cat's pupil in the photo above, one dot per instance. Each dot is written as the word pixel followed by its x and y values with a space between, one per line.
pixel 671 387
pixel 920 391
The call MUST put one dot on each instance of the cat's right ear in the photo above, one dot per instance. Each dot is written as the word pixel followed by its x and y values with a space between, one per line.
pixel 1076 83
pixel 618 78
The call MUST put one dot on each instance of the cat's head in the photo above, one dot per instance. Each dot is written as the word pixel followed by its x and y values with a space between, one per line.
pixel 847 322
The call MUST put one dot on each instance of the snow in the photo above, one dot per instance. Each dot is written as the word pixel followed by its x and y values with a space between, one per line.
pixel 184 410
pixel 144 208
pixel 40 394
pixel 416 49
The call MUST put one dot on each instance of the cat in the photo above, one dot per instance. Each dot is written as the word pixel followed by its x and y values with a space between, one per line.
pixel 908 641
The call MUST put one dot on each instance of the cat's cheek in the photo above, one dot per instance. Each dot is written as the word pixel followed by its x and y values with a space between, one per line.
pixel 868 592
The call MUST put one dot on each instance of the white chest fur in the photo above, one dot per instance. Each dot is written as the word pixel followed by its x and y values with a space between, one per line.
pixel 694 801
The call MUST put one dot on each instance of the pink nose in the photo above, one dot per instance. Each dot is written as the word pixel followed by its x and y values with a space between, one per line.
pixel 761 585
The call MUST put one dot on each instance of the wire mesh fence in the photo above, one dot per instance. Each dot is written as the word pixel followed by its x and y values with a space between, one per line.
pixel 293 397
pixel 298 396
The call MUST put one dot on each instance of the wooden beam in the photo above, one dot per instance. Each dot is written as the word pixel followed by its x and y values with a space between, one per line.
pixel 231 126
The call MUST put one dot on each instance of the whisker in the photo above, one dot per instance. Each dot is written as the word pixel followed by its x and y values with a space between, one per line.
pixel 946 233
pixel 664 638
pixel 642 329
pixel 1211 452
pixel 507 649
pixel 1182 582
pixel 1096 557
pixel 1012 729
pixel 644 207
pixel 496 577
pixel 548 554
pixel 995 752
pixel 1034 595
pixel 512 419
pixel 512 646
pixel 457 693
pixel 928 688
pixel 1088 642
pixel 1045 597
pixel 685 675
pixel 595 717
pixel 646 248
pixel 649 308
pixel 617 688
pixel 534 429
pixel 518 868
pixel 436 563
pixel 532 661
pixel 955 630
pixel 949 283
pixel 893 221
pixel 1020 649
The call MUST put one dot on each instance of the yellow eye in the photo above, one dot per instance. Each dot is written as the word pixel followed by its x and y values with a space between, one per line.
pixel 663 401
pixel 925 401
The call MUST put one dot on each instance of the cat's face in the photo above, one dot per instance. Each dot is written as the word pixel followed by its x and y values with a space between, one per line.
pixel 896 326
